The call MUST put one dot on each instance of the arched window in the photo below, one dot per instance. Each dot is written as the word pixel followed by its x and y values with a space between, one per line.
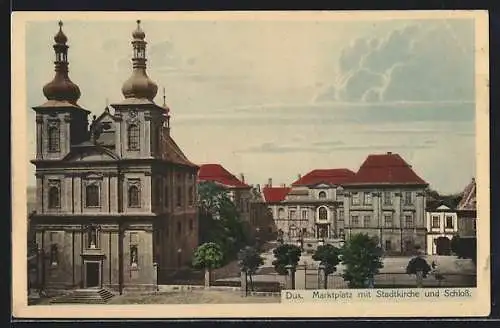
pixel 179 196
pixel 133 137
pixel 54 197
pixel 133 196
pixel 53 139
pixel 323 214
pixel 191 195
pixel 92 196
pixel 322 195
pixel 281 214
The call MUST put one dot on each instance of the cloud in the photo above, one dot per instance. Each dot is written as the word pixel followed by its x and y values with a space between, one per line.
pixel 428 61
pixel 327 147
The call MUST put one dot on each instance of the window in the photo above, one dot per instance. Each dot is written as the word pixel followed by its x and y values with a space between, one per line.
pixel 54 260
pixel 191 226
pixel 388 220
pixel 367 198
pixel 292 214
pixel 387 245
pixel 322 195
pixel 92 240
pixel 408 198
pixel 449 222
pixel 366 221
pixel 341 215
pixel 323 214
pixel 387 198
pixel 133 137
pixel 409 221
pixel 92 196
pixel 134 254
pixel 179 227
pixel 54 197
pixel 435 221
pixel 281 214
pixel 191 196
pixel 54 144
pixel 293 231
pixel 179 196
pixel 355 220
pixel 304 215
pixel 355 198
pixel 133 196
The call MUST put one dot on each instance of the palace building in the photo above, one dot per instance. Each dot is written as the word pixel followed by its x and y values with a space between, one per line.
pixel 385 199
pixel 116 200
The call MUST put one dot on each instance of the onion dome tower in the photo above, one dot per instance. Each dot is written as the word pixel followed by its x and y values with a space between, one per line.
pixel 61 88
pixel 139 85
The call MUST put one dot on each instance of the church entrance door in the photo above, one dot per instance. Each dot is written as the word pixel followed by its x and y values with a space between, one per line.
pixel 92 274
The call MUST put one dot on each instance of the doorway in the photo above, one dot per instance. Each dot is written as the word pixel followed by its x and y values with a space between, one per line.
pixel 92 274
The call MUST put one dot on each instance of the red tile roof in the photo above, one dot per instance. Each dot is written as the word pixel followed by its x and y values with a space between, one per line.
pixel 386 169
pixel 329 176
pixel 217 173
pixel 275 194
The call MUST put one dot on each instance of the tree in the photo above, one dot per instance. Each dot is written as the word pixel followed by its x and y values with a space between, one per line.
pixel 249 261
pixel 208 256
pixel 419 267
pixel 328 257
pixel 286 255
pixel 362 259
pixel 220 221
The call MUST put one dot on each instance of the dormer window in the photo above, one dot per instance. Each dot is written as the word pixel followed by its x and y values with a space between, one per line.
pixel 133 137
pixel 53 139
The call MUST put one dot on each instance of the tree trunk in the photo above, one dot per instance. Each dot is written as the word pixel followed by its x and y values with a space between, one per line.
pixel 251 281
pixel 420 277
pixel 208 277
pixel 325 280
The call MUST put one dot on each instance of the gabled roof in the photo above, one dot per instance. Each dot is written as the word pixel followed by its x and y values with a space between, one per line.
pixel 327 176
pixel 275 194
pixel 468 201
pixel 217 173
pixel 386 169
pixel 171 151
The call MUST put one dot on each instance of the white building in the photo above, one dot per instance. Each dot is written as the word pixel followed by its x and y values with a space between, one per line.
pixel 442 225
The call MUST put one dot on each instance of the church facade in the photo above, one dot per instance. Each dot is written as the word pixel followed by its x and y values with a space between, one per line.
pixel 116 198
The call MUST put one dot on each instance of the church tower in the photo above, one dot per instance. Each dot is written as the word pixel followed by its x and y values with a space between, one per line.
pixel 60 122
pixel 140 119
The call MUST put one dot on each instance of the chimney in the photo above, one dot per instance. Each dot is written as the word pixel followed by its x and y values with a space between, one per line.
pixel 270 182
pixel 258 187
pixel 283 185
pixel 299 176
pixel 389 153
pixel 242 177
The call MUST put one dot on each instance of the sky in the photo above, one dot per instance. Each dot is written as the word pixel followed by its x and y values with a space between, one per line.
pixel 274 99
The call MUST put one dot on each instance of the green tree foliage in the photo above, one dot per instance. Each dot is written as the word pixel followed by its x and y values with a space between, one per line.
pixel 465 248
pixel 208 256
pixel 328 257
pixel 418 264
pixel 362 259
pixel 219 219
pixel 249 261
pixel 285 255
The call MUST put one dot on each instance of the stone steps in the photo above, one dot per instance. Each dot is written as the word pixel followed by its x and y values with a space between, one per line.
pixel 85 296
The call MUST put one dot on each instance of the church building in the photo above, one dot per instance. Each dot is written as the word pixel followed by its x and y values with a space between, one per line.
pixel 116 199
